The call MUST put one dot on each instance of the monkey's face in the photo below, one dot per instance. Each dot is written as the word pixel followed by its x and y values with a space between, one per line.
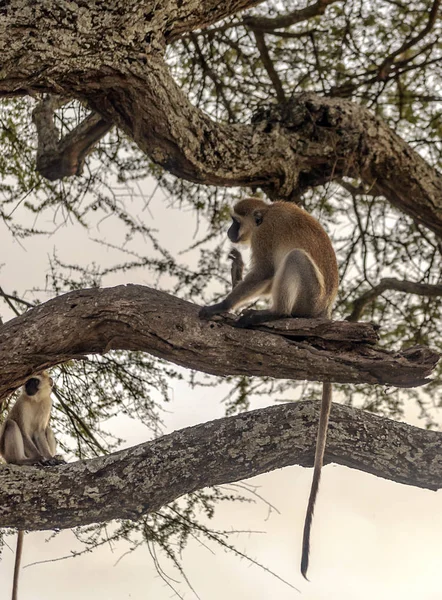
pixel 38 383
pixel 243 226
pixel 234 229
pixel 32 385
pixel 241 229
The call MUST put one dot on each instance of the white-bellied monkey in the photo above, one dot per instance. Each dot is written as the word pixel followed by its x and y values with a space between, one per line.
pixel 27 439
pixel 293 262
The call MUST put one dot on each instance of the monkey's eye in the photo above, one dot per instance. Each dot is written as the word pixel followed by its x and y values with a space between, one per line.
pixel 258 217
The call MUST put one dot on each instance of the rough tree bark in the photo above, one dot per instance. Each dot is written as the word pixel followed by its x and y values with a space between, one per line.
pixel 134 317
pixel 113 58
pixel 213 453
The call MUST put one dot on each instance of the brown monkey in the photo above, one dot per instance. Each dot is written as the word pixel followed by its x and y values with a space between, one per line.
pixel 293 261
pixel 27 439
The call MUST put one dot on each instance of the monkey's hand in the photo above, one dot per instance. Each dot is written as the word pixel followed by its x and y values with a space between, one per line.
pixel 235 255
pixel 207 312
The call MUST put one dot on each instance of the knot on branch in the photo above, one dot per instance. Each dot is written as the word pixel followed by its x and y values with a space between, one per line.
pixel 421 354
pixel 319 131
pixel 291 114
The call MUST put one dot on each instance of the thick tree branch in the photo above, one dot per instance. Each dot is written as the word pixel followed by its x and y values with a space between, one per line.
pixel 58 158
pixel 289 148
pixel 391 283
pixel 214 453
pixel 81 29
pixel 135 317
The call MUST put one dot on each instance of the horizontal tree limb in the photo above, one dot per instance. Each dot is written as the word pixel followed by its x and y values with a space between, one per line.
pixel 398 285
pixel 142 479
pixel 324 329
pixel 135 317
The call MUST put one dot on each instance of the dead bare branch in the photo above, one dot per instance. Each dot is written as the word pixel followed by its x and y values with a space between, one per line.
pixel 391 283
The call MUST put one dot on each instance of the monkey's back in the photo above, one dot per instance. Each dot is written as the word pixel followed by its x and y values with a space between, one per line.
pixel 286 227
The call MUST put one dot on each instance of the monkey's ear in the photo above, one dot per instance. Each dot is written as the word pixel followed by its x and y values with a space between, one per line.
pixel 258 216
pixel 51 382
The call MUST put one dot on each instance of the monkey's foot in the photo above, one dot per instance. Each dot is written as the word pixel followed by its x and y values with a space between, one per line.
pixel 52 462
pixel 207 312
pixel 251 317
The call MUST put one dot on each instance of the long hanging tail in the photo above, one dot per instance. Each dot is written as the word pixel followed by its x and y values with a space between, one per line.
pixel 319 459
pixel 18 552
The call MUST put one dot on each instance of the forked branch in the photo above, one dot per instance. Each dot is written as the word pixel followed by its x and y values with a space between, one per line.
pixel 58 158
pixel 391 283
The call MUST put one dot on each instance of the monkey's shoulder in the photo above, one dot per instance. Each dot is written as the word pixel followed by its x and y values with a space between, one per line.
pixel 285 217
pixel 288 210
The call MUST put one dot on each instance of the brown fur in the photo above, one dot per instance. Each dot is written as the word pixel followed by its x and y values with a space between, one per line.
pixel 286 226
pixel 292 260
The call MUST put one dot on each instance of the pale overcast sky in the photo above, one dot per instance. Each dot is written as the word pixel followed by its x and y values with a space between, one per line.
pixel 372 539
